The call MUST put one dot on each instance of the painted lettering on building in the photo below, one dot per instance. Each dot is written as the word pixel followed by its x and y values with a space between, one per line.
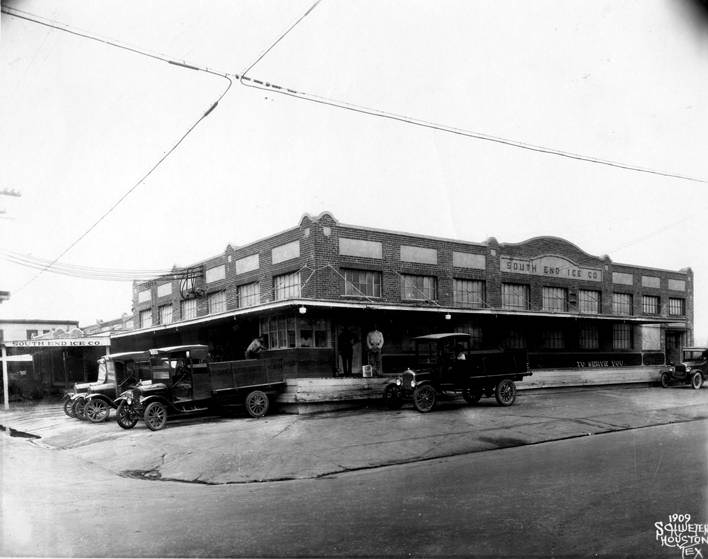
pixel 549 266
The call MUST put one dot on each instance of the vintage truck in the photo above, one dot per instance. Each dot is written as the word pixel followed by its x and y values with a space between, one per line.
pixel 692 370
pixel 185 381
pixel 444 363
pixel 116 372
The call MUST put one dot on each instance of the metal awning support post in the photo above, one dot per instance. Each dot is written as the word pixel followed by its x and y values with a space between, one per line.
pixel 5 388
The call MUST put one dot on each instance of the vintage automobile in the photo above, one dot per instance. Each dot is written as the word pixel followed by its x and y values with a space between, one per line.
pixel 116 372
pixel 692 370
pixel 184 381
pixel 444 363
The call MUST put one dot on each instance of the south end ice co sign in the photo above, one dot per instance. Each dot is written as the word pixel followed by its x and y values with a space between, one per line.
pixel 61 342
pixel 549 266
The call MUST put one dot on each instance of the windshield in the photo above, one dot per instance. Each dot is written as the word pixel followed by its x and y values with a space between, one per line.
pixel 694 354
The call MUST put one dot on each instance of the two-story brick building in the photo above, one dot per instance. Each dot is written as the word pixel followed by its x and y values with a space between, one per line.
pixel 299 289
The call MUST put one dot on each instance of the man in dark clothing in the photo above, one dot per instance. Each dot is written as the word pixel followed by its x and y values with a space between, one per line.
pixel 345 345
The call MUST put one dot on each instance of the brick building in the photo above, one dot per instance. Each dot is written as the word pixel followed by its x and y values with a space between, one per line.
pixel 299 288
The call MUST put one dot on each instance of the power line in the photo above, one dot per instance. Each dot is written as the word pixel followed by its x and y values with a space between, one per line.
pixel 35 19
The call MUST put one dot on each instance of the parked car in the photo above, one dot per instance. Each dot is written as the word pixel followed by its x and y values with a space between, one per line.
pixel 692 370
pixel 184 381
pixel 116 372
pixel 444 363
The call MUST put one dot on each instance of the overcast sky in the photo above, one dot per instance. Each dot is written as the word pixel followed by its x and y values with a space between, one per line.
pixel 81 122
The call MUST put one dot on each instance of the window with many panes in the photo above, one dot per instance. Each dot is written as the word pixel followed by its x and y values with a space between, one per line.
pixel 419 288
pixel 188 309
pixel 165 312
pixel 552 338
pixel 216 302
pixel 475 333
pixel 145 318
pixel 287 332
pixel 514 340
pixel 555 299
pixel 286 286
pixel 650 304
pixel 589 337
pixel 622 303
pixel 468 293
pixel 362 283
pixel 515 296
pixel 622 336
pixel 588 301
pixel 677 307
pixel 249 294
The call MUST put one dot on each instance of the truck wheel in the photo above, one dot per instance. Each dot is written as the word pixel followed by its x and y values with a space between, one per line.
pixel 392 398
pixel 126 416
pixel 505 392
pixel 665 380
pixel 471 395
pixel 69 407
pixel 257 403
pixel 155 416
pixel 696 380
pixel 78 408
pixel 424 398
pixel 96 410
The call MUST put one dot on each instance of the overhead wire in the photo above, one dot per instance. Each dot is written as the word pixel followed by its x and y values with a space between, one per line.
pixel 36 19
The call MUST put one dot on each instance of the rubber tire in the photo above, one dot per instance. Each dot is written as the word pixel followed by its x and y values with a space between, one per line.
pixel 69 407
pixel 472 396
pixel 96 410
pixel 78 408
pixel 505 392
pixel 257 403
pixel 123 417
pixel 392 397
pixel 424 398
pixel 155 416
pixel 696 380
pixel 665 380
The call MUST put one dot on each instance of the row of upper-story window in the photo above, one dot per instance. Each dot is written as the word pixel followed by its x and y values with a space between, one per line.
pixel 466 293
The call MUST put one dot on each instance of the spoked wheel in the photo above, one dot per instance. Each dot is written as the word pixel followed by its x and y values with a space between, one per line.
pixel 505 392
pixel 69 407
pixel 155 416
pixel 472 395
pixel 96 410
pixel 78 408
pixel 665 380
pixel 696 380
pixel 392 398
pixel 424 398
pixel 257 403
pixel 126 416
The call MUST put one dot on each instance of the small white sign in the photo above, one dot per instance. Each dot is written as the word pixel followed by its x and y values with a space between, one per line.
pixel 61 342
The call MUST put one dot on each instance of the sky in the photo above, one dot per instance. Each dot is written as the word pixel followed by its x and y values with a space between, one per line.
pixel 81 122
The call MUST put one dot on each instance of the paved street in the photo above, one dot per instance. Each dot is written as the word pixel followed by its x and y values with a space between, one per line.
pixel 577 496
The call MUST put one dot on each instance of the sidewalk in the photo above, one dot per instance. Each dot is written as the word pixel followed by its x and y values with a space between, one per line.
pixel 278 447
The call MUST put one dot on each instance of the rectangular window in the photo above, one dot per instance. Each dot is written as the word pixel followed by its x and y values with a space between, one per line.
pixel 145 318
pixel 144 296
pixel 216 302
pixel 475 333
pixel 32 333
pixel 419 288
pixel 514 340
pixel 188 309
pixel 165 314
pixel 515 296
pixel 215 274
pixel 362 283
pixel 555 299
pixel 468 293
pixel 553 339
pixel 589 337
pixel 164 290
pixel 650 304
pixel 622 303
pixel 249 294
pixel 622 336
pixel 286 286
pixel 677 307
pixel 589 301
pixel 280 332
